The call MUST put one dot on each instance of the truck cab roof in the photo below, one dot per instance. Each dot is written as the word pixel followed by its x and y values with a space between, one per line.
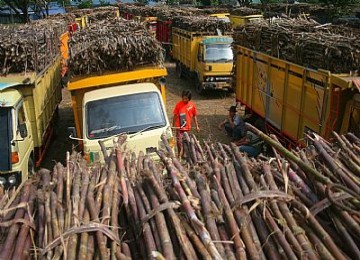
pixel 9 97
pixel 122 89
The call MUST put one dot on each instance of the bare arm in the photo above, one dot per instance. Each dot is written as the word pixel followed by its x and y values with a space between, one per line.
pixel 196 123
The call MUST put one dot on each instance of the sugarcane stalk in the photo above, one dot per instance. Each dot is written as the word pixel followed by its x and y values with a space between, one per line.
pixel 125 248
pixel 196 241
pixel 68 193
pixel 24 232
pixel 100 187
pixel 349 152
pixel 72 242
pixel 48 227
pixel 107 194
pixel 84 238
pixel 234 229
pixel 146 230
pixel 229 251
pixel 282 221
pixel 334 168
pixel 335 251
pixel 152 223
pixel 121 170
pixel 207 212
pixel 242 218
pixel 84 189
pixel 188 180
pixel 289 218
pixel 186 245
pixel 349 242
pixel 114 216
pixel 166 244
pixel 316 242
pixel 59 194
pixel 271 222
pixel 26 248
pixel 40 223
pixel 8 246
pixel 197 224
pixel 94 217
pixel 287 154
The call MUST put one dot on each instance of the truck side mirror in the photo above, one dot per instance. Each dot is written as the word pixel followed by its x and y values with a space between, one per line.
pixel 72 131
pixel 23 130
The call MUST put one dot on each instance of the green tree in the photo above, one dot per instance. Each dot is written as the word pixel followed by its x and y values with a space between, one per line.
pixel 19 7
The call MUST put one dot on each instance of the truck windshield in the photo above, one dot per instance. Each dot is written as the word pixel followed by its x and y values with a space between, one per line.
pixel 124 114
pixel 5 137
pixel 218 53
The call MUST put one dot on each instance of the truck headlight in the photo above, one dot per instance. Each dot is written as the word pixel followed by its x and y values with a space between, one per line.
pixel 12 180
pixel 2 181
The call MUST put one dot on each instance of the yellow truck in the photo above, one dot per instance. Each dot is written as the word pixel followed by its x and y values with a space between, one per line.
pixel 28 106
pixel 129 102
pixel 293 99
pixel 237 20
pixel 204 56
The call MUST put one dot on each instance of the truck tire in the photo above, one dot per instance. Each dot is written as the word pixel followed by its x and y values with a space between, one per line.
pixel 31 167
pixel 179 72
pixel 199 88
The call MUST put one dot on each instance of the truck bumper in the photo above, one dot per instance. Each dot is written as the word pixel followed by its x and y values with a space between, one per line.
pixel 217 85
pixel 10 179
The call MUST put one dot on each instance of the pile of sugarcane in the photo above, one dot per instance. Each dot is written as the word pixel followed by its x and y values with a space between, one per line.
pixel 163 12
pixel 103 13
pixel 244 11
pixel 30 47
pixel 114 44
pixel 220 204
pixel 201 23
pixel 302 41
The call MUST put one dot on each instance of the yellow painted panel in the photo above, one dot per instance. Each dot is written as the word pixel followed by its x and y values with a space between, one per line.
pixel 240 20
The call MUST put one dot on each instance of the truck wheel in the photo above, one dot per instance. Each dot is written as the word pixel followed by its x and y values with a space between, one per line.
pixel 31 167
pixel 199 88
pixel 178 70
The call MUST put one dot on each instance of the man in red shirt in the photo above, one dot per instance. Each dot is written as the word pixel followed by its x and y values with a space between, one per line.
pixel 184 112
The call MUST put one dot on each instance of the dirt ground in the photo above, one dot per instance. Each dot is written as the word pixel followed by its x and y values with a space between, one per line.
pixel 212 109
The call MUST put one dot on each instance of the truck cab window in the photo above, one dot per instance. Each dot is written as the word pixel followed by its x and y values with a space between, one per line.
pixel 21 128
pixel 201 53
pixel 218 53
pixel 126 114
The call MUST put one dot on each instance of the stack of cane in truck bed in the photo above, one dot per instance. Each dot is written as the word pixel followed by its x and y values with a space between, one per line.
pixel 302 41
pixel 221 204
pixel 113 44
pixel 201 23
pixel 30 47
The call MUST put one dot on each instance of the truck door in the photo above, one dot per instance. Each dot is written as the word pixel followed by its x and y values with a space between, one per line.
pixel 5 137
pixel 199 68
pixel 23 135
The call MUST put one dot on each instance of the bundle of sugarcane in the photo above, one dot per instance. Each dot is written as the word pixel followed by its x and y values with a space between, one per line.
pixel 305 201
pixel 201 23
pixel 221 204
pixel 103 13
pixel 67 17
pixel 30 47
pixel 17 207
pixel 216 9
pixel 303 42
pixel 112 45
pixel 244 11
pixel 168 13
